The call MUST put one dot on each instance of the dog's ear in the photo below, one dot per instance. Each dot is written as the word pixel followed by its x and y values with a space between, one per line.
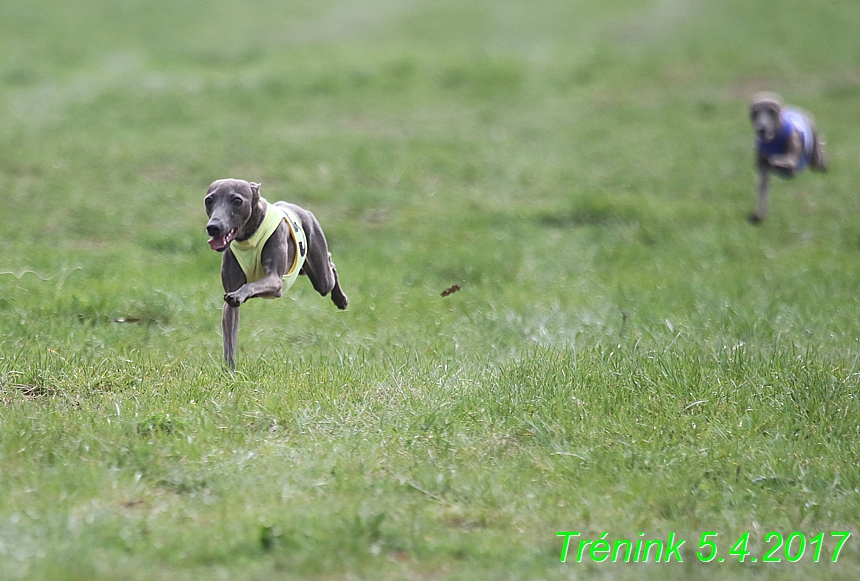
pixel 255 191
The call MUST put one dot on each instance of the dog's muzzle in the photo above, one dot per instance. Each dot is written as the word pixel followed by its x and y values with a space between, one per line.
pixel 219 240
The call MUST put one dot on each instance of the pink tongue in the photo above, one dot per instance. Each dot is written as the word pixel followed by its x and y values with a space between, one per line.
pixel 217 242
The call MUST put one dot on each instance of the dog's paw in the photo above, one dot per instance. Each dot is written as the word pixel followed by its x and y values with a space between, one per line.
pixel 232 299
pixel 755 219
pixel 339 299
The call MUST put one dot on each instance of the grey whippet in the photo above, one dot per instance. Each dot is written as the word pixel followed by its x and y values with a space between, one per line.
pixel 265 247
pixel 786 143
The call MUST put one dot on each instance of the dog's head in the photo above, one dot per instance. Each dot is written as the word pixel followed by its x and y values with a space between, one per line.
pixel 229 205
pixel 764 115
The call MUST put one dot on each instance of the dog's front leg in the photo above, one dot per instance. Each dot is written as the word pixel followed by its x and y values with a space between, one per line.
pixel 788 163
pixel 268 287
pixel 277 252
pixel 761 205
pixel 230 331
pixel 233 279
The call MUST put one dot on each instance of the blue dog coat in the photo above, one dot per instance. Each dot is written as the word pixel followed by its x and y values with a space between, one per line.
pixel 792 120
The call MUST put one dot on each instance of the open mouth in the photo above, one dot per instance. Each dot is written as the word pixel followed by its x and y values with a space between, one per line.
pixel 220 243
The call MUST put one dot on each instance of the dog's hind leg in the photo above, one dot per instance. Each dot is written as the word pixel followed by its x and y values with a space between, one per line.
pixel 338 298
pixel 319 266
pixel 325 280
pixel 818 162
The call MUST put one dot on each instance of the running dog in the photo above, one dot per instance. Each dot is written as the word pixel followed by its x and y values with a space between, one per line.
pixel 265 247
pixel 786 143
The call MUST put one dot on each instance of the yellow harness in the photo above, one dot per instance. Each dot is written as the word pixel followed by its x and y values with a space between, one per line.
pixel 249 252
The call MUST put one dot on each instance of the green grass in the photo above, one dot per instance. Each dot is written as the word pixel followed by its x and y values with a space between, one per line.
pixel 627 353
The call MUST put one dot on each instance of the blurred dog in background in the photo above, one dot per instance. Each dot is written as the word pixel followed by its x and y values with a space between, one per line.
pixel 786 143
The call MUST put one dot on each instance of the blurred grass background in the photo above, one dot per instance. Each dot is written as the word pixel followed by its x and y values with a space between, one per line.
pixel 626 353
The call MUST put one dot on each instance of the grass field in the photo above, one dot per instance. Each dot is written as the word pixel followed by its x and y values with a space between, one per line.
pixel 627 355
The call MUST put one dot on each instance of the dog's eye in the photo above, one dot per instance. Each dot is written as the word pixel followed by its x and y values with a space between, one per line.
pixel 208 202
pixel 237 201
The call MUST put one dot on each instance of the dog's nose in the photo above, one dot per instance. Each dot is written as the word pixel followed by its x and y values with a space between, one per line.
pixel 213 229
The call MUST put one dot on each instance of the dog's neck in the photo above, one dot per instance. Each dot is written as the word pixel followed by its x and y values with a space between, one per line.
pixel 258 214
